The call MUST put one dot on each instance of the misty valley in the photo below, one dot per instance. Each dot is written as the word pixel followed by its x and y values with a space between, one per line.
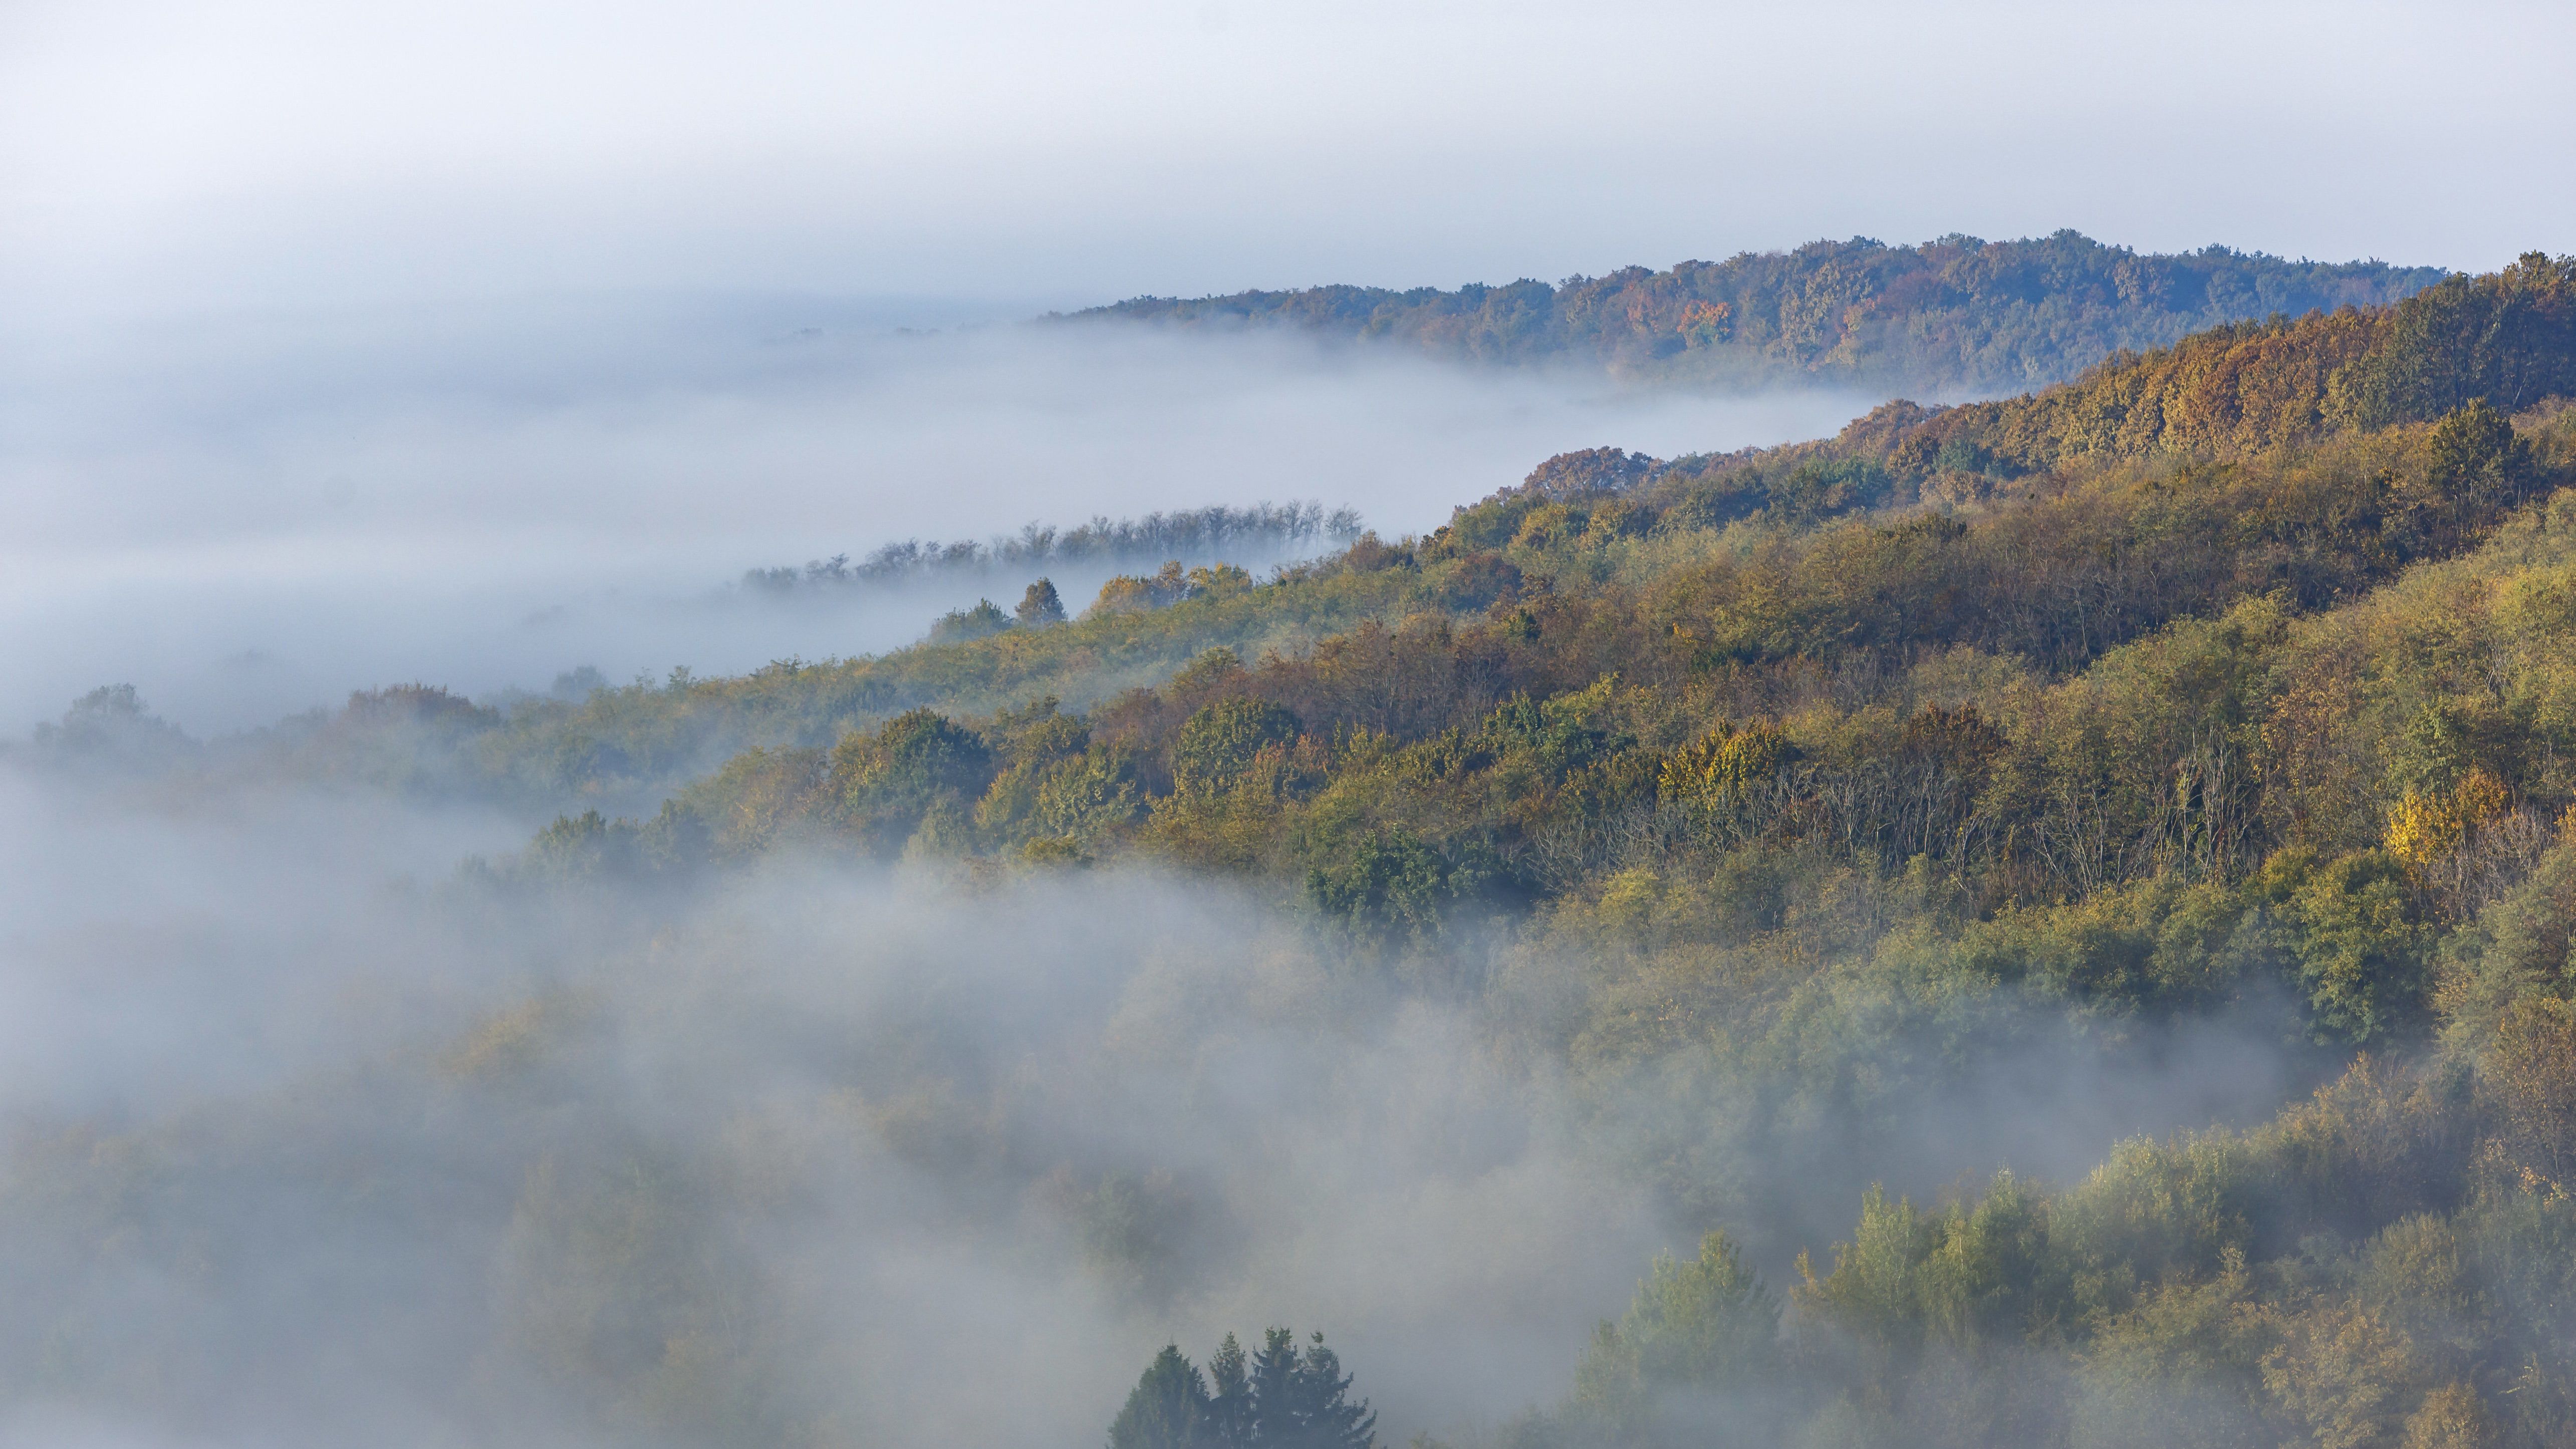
pixel 1999 871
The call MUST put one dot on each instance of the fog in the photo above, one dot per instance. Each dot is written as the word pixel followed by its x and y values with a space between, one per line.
pixel 886 1109
pixel 316 1131
pixel 482 345
pixel 312 1137
pixel 251 516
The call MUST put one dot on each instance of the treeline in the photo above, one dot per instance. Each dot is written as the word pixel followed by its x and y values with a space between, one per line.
pixel 1260 532
pixel 1952 316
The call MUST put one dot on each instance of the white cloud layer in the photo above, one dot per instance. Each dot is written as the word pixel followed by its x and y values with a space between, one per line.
pixel 248 519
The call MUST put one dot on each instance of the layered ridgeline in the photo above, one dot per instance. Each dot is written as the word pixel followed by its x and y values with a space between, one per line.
pixel 1776 809
pixel 1953 317
pixel 2318 457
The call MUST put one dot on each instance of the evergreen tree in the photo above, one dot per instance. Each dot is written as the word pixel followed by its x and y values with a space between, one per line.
pixel 1302 1400
pixel 1322 1415
pixel 1277 1398
pixel 1167 1409
pixel 1230 1407
pixel 1274 1387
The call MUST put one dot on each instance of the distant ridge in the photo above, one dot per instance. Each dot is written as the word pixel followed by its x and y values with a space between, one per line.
pixel 1259 533
pixel 1954 317
pixel 2464 354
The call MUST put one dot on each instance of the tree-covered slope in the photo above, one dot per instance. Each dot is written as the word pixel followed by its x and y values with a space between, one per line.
pixel 1775 811
pixel 2313 457
pixel 2507 340
pixel 1957 316
pixel 1782 817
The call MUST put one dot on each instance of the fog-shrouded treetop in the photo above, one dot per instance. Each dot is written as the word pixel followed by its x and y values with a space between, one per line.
pixel 1207 535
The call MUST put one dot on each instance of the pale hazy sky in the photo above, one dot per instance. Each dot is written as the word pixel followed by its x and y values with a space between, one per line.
pixel 293 151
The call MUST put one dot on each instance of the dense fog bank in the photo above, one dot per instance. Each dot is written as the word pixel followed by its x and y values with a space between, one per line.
pixel 249 516
pixel 299 1145
pixel 313 1134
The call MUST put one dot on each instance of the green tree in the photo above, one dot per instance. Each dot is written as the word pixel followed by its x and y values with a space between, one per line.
pixel 1387 890
pixel 882 785
pixel 1040 606
pixel 1281 1397
pixel 1230 1413
pixel 2361 952
pixel 959 626
pixel 1218 743
pixel 1301 1399
pixel 1168 1408
pixel 2475 454
pixel 1703 1326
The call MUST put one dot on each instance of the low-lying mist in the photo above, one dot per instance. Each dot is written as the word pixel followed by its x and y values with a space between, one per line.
pixel 250 516
pixel 314 1136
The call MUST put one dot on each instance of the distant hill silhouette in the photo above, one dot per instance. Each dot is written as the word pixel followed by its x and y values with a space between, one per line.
pixel 1949 318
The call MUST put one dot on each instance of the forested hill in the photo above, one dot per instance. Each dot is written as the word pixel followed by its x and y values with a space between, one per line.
pixel 1773 798
pixel 2312 458
pixel 2471 347
pixel 1953 317
pixel 1772 804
